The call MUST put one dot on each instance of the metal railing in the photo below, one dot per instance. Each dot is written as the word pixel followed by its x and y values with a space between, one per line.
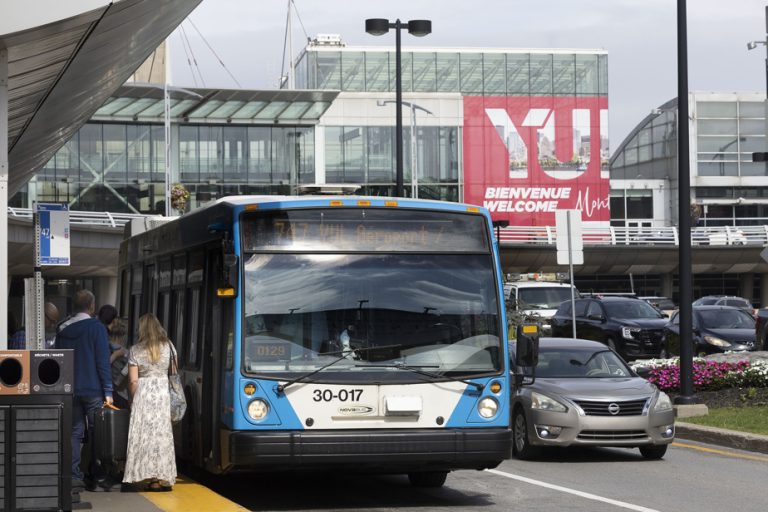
pixel 83 218
pixel 641 236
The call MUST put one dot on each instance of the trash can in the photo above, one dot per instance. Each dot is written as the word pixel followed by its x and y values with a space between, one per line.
pixel 35 430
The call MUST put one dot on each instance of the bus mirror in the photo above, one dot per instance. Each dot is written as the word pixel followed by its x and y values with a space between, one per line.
pixel 527 345
pixel 227 288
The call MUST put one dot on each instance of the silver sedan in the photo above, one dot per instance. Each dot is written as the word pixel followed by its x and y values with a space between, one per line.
pixel 584 394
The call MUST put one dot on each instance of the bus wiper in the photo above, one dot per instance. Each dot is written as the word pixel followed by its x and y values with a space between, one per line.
pixel 344 354
pixel 418 369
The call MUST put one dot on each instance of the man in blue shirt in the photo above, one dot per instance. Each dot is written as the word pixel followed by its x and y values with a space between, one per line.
pixel 87 336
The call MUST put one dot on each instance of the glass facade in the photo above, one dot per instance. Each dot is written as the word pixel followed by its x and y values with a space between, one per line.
pixel 470 73
pixel 120 167
pixel 366 155
pixel 727 134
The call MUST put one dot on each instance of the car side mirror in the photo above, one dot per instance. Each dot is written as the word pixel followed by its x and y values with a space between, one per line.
pixel 596 317
pixel 643 371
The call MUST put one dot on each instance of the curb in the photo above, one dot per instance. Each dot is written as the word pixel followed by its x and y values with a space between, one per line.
pixel 722 437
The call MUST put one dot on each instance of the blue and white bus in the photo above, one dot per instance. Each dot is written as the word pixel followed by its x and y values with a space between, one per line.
pixel 316 332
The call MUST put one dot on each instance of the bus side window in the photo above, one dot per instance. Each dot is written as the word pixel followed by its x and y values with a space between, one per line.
pixel 194 314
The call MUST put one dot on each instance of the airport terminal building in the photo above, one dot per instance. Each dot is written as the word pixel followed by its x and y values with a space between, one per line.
pixel 522 131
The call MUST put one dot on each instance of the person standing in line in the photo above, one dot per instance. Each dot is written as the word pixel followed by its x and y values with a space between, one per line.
pixel 18 341
pixel 87 336
pixel 151 458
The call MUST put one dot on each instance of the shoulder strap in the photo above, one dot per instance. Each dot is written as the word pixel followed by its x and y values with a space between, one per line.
pixel 173 368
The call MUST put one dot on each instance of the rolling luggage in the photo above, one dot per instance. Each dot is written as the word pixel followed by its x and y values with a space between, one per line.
pixel 110 435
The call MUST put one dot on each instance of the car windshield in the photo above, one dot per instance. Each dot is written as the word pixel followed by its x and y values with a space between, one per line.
pixel 737 303
pixel 706 301
pixel 630 309
pixel 543 297
pixel 726 319
pixel 558 363
pixel 435 311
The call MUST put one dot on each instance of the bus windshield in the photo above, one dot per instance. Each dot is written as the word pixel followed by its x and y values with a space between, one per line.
pixel 434 311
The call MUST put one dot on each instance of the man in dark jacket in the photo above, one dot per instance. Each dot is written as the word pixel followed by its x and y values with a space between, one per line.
pixel 93 378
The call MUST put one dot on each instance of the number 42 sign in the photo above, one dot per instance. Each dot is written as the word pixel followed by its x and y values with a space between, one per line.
pixel 54 233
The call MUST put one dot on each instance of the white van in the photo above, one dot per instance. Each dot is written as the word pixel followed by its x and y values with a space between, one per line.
pixel 537 297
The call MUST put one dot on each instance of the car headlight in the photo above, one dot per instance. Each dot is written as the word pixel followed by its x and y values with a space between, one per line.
pixel 487 407
pixel 258 409
pixel 716 342
pixel 545 403
pixel 628 332
pixel 663 403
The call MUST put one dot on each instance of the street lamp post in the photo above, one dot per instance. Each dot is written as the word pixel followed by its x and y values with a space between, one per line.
pixel 418 28
pixel 763 157
pixel 414 156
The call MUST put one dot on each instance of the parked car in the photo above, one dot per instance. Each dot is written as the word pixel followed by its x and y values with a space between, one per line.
pixel 718 236
pixel 631 327
pixel 726 300
pixel 538 298
pixel 584 394
pixel 663 304
pixel 715 329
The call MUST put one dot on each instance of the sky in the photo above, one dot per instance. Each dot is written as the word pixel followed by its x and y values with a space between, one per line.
pixel 247 36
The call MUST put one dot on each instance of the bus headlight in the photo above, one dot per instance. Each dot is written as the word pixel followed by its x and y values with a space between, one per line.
pixel 258 409
pixel 487 407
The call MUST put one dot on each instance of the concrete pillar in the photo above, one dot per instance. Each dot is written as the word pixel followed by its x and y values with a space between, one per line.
pixel 747 285
pixel 763 290
pixel 666 285
pixel 105 290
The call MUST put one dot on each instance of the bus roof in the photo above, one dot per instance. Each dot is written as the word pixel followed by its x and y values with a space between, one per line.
pixel 405 201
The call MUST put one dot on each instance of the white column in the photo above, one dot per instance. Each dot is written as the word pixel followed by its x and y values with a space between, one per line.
pixel 666 285
pixel 320 154
pixel 747 285
pixel 4 198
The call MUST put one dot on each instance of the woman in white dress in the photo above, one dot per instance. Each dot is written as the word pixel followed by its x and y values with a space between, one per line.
pixel 151 458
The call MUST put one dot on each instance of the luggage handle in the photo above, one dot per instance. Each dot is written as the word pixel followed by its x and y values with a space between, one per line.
pixel 110 406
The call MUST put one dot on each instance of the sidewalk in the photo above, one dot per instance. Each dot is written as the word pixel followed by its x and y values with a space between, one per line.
pixel 722 437
pixel 115 502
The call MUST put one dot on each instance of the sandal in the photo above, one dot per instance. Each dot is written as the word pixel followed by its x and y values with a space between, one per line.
pixel 157 486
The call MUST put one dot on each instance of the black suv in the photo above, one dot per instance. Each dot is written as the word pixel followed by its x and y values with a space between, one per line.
pixel 631 327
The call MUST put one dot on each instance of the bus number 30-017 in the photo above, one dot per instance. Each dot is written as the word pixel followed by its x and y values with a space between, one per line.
pixel 344 395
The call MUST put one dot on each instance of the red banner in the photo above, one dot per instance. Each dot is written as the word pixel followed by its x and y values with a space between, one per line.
pixel 527 156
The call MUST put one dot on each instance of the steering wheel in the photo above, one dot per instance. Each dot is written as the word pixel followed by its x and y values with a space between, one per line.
pixel 595 371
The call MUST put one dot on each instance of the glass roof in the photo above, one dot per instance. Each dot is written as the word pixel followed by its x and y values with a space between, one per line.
pixel 145 103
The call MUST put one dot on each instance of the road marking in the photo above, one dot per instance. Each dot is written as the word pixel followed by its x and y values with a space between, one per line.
pixel 189 496
pixel 582 494
pixel 720 452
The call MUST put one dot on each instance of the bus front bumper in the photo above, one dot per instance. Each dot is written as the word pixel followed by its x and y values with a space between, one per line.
pixel 370 450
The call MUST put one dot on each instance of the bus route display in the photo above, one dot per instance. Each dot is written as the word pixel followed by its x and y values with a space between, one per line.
pixel 364 230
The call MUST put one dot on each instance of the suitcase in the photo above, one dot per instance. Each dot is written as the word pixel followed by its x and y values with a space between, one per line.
pixel 110 435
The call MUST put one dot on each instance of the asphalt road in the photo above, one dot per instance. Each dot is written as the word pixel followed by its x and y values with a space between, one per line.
pixel 692 477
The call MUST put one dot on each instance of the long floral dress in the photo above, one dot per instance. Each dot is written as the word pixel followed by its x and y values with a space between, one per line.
pixel 150 434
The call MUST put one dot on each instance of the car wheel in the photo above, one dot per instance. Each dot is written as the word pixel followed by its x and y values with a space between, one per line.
pixel 521 446
pixel 428 478
pixel 653 452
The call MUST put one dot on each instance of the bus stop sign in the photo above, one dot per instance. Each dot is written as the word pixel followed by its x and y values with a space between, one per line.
pixel 54 233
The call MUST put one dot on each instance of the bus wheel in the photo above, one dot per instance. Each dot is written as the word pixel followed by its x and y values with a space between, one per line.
pixel 428 478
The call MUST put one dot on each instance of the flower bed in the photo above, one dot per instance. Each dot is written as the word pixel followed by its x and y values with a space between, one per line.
pixel 707 375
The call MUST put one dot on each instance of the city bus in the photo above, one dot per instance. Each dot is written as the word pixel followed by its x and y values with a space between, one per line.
pixel 329 332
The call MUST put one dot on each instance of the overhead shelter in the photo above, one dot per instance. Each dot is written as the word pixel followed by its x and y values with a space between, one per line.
pixel 59 62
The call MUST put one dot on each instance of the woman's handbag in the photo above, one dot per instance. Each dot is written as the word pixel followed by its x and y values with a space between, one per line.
pixel 178 402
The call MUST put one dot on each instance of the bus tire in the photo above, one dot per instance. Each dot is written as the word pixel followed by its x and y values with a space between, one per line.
pixel 428 478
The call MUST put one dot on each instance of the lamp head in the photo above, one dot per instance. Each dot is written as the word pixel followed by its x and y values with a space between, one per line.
pixel 419 28
pixel 751 45
pixel 377 26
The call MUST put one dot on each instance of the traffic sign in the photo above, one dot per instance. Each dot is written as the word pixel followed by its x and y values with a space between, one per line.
pixel 54 233
pixel 570 245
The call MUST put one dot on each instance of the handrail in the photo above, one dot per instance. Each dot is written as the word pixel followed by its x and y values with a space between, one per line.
pixel 641 236
pixel 84 218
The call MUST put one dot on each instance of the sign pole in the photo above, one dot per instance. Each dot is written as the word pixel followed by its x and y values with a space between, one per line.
pixel 570 265
pixel 37 333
